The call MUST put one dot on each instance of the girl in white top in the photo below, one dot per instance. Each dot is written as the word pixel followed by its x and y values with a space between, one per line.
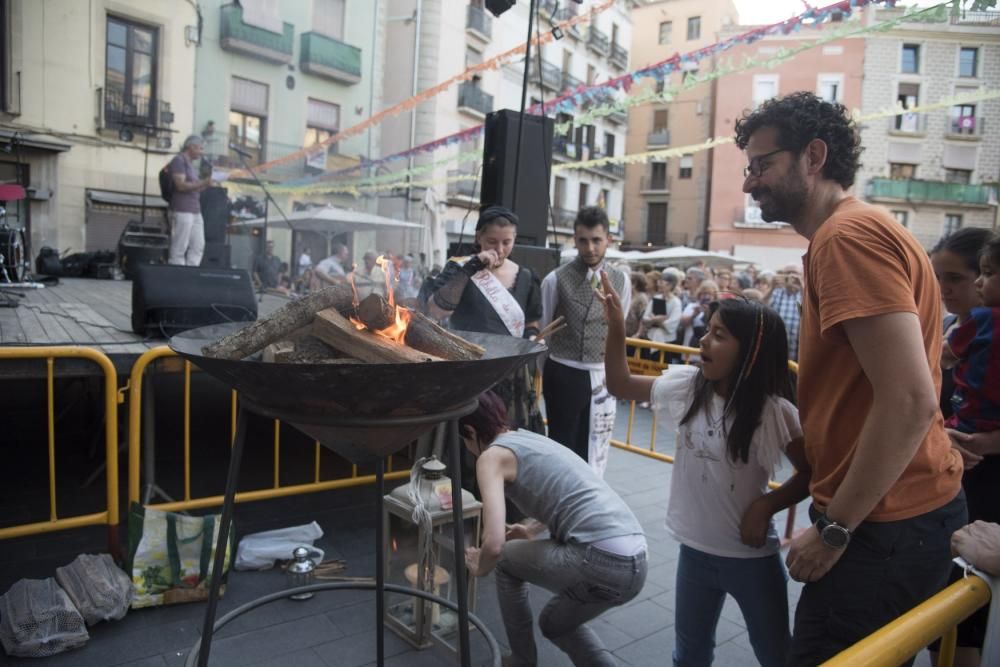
pixel 734 420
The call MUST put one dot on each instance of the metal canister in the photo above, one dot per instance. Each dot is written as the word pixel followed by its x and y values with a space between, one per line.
pixel 301 572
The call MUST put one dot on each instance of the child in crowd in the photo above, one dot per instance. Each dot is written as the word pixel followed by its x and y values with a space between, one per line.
pixel 734 419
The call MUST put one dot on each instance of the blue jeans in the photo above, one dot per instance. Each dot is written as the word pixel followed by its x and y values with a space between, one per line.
pixel 757 584
pixel 587 582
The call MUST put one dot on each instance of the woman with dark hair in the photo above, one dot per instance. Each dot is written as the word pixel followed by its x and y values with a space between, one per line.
pixel 593 559
pixel 490 293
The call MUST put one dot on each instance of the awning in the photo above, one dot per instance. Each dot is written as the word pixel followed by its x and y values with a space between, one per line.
pixel 329 219
pixel 34 141
pixel 125 199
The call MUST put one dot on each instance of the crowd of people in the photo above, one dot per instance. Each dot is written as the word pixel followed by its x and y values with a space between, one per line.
pixel 894 462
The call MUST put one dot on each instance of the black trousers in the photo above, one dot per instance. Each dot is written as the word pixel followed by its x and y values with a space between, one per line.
pixel 888 568
pixel 567 405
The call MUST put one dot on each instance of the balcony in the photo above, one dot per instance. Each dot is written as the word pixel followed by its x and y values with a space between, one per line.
pixel 983 18
pixel 966 127
pixel 478 23
pixel 570 82
pixel 613 169
pixel 908 125
pixel 473 101
pixel 330 58
pixel 650 185
pixel 598 42
pixel 551 76
pixel 120 110
pixel 565 148
pixel 658 138
pixel 564 217
pixel 462 189
pixel 238 37
pixel 618 117
pixel 927 192
pixel 619 56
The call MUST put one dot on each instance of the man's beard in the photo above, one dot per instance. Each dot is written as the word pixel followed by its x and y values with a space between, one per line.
pixel 782 205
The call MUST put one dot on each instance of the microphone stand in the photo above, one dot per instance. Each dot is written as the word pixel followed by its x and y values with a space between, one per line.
pixel 267 198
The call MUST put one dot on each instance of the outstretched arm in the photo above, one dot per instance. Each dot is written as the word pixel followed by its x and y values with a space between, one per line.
pixel 621 382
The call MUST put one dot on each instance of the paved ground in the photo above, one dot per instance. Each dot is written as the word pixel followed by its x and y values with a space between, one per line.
pixel 336 629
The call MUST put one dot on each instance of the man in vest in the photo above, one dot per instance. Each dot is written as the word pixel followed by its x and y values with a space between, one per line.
pixel 580 411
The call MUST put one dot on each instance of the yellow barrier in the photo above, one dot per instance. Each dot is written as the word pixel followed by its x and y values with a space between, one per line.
pixel 189 503
pixel 907 635
pixel 110 515
pixel 640 366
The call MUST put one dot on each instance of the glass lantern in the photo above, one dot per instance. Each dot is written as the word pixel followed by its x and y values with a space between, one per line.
pixel 422 557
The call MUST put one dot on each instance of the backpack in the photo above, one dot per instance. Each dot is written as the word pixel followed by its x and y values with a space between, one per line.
pixel 167 186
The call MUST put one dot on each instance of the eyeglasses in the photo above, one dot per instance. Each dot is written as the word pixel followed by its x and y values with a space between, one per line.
pixel 756 168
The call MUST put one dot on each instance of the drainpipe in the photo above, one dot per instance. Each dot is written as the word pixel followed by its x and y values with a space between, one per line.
pixel 413 114
pixel 371 99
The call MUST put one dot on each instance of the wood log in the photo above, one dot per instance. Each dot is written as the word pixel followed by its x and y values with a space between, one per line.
pixel 422 333
pixel 339 333
pixel 280 324
pixel 278 352
pixel 376 312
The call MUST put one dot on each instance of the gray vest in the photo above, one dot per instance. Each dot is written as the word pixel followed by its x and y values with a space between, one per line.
pixel 558 488
pixel 583 337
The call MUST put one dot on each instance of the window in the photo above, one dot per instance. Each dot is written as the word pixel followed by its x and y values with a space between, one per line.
pixel 328 18
pixel 963 119
pixel 591 75
pixel 958 176
pixel 665 29
pixel 472 57
pixel 907 96
pixel 902 217
pixel 765 87
pixel 660 86
pixel 609 144
pixel 559 194
pixel 656 224
pixel 248 119
pixel 968 61
pixel 322 122
pixel 830 87
pixel 660 117
pixel 602 201
pixel 900 171
pixel 584 196
pixel 658 176
pixel 952 223
pixel 911 59
pixel 687 166
pixel 694 28
pixel 130 72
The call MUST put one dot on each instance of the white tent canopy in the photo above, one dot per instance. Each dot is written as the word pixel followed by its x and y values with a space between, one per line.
pixel 330 219
pixel 682 254
pixel 569 254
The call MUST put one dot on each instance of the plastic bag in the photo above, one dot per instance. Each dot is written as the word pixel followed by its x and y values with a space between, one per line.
pixel 100 590
pixel 38 619
pixel 258 551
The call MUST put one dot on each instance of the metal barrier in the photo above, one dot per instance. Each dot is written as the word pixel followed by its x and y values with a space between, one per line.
pixel 903 638
pixel 110 514
pixel 640 366
pixel 189 503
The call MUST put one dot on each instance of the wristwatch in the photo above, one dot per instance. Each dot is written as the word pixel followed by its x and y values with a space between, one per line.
pixel 832 533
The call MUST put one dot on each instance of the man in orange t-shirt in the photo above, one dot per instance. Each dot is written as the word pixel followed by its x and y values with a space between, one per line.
pixel 885 483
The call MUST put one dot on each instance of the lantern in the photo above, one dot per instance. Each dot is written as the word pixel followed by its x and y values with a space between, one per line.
pixel 420 555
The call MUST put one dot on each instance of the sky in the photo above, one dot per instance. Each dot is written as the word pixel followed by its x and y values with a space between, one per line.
pixel 771 11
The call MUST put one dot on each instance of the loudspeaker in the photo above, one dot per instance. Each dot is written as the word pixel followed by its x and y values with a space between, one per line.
pixel 216 256
pixel 499 156
pixel 168 299
pixel 540 260
pixel 215 213
pixel 142 244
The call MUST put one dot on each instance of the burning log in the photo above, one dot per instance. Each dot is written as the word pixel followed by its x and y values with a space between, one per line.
pixel 280 324
pixel 340 333
pixel 422 333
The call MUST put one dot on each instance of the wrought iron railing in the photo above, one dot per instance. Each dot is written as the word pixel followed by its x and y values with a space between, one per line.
pixel 598 41
pixel 570 82
pixel 470 96
pixel 920 191
pixel 619 56
pixel 463 188
pixel 658 138
pixel 969 126
pixel 551 75
pixel 121 109
pixel 478 20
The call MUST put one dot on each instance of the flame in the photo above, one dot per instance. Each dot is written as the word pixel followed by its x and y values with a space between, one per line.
pixel 384 263
pixel 396 332
pixel 394 547
pixel 354 288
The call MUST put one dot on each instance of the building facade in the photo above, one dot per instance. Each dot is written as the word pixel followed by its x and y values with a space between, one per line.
pixel 93 95
pixel 833 71
pixel 429 41
pixel 666 201
pixel 935 171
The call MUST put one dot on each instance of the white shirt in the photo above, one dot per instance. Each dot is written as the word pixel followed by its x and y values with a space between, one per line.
pixel 305 261
pixel 665 331
pixel 331 266
pixel 709 493
pixel 550 299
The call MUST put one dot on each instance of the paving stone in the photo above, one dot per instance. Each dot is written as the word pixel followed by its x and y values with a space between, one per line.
pixel 655 649
pixel 639 620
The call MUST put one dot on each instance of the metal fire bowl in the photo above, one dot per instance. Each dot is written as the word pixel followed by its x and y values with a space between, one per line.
pixel 333 403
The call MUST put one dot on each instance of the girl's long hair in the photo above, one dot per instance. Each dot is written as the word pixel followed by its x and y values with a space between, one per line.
pixel 756 376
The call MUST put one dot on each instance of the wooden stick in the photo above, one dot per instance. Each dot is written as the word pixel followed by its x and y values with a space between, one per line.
pixel 278 325
pixel 422 333
pixel 339 333
pixel 552 327
pixel 376 312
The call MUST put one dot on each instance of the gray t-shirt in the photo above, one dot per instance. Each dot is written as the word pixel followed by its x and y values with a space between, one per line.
pixel 184 202
pixel 559 489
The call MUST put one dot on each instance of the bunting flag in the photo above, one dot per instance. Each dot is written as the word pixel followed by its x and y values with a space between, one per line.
pixel 424 95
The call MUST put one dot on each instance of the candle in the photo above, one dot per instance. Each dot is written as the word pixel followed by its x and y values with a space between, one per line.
pixel 441 578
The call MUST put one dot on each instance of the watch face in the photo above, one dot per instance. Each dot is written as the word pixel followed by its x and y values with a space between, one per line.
pixel 835 536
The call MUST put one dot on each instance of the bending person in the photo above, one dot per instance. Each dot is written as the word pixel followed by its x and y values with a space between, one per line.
pixel 594 558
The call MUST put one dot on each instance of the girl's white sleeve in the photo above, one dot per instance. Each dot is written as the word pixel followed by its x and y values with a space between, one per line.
pixel 779 425
pixel 672 393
